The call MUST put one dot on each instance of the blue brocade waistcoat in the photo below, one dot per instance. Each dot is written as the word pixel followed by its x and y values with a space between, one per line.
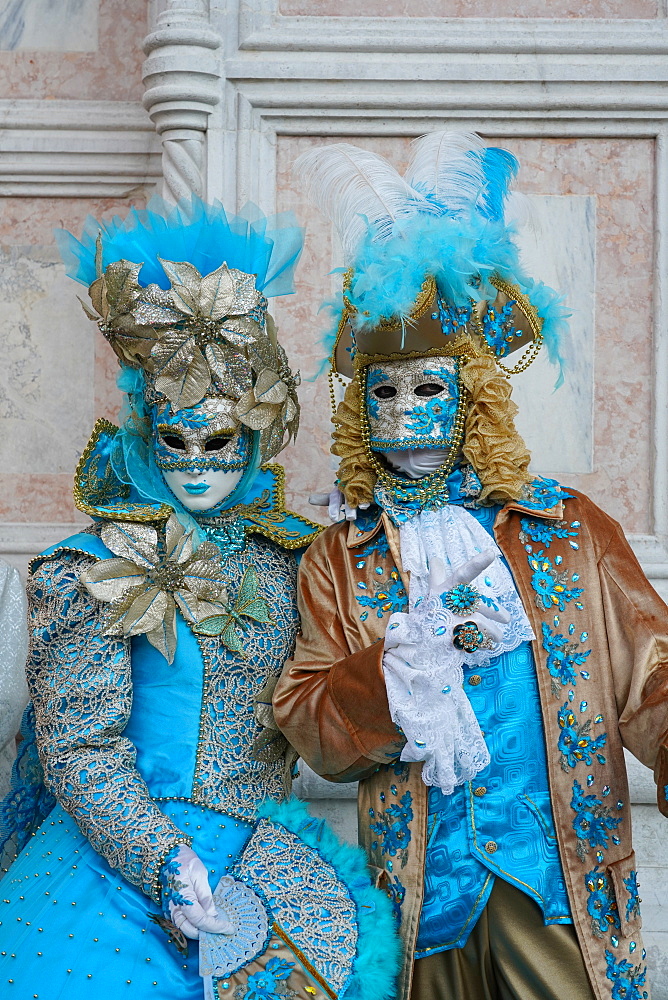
pixel 501 823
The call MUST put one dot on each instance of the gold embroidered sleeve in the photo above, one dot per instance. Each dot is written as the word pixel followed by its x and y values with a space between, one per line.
pixel 80 682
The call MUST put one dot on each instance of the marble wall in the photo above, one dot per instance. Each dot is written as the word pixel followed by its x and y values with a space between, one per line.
pixel 476 8
pixel 77 49
pixel 56 372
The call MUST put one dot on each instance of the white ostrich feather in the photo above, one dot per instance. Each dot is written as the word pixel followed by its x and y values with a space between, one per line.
pixel 440 166
pixel 354 188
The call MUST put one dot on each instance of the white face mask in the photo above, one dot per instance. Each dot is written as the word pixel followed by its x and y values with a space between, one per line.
pixel 201 491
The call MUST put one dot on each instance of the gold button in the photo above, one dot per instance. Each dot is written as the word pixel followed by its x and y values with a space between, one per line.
pixel 491 846
pixel 475 679
pixel 481 790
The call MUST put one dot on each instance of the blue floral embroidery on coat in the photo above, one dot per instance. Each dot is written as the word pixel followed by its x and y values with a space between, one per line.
pixel 592 821
pixel 543 494
pixel 367 519
pixel 399 768
pixel 633 902
pixel 563 656
pixel 268 984
pixel 543 532
pixel 601 903
pixel 392 827
pixel 627 980
pixel 550 584
pixel 575 744
pixel 397 893
pixel 379 546
pixel 389 598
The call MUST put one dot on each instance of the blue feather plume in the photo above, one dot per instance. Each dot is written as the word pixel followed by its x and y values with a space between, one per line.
pixel 447 221
pixel 204 235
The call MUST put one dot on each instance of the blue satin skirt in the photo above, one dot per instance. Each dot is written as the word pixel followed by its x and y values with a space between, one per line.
pixel 71 927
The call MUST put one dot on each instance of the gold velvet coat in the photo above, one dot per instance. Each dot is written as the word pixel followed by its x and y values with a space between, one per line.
pixel 572 567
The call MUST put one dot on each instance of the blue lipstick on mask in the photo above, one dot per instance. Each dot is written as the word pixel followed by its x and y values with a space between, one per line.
pixel 196 488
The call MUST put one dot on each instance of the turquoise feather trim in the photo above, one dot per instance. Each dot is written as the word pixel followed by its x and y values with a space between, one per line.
pixel 378 952
pixel 204 235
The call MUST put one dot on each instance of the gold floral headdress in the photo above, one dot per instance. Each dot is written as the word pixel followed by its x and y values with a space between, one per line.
pixel 180 292
pixel 205 335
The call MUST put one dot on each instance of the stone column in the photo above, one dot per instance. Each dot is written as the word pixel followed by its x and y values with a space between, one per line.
pixel 182 79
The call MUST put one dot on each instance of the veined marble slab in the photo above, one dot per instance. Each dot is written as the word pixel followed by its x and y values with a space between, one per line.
pixel 49 25
pixel 46 374
pixel 558 248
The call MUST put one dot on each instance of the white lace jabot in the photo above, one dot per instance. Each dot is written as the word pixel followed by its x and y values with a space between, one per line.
pixel 426 697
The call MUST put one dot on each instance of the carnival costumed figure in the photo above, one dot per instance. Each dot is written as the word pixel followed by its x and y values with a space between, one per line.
pixel 156 854
pixel 479 645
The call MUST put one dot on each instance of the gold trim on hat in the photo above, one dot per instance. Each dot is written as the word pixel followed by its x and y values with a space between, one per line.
pixel 419 334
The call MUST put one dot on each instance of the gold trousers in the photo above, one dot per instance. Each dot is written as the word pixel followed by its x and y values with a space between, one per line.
pixel 510 955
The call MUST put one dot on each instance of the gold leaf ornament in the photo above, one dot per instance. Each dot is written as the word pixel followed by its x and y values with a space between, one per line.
pixel 115 297
pixel 270 400
pixel 149 576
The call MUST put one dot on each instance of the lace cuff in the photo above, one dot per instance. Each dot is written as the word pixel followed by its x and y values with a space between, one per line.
pixel 427 700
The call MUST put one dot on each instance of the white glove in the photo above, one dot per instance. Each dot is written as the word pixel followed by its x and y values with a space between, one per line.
pixel 187 899
pixel 335 502
pixel 421 619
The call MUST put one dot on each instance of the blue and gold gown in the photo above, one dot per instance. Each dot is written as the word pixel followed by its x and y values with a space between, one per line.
pixel 125 756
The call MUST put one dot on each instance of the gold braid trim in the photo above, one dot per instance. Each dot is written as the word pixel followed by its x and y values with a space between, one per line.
pixel 492 444
pixel 357 476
